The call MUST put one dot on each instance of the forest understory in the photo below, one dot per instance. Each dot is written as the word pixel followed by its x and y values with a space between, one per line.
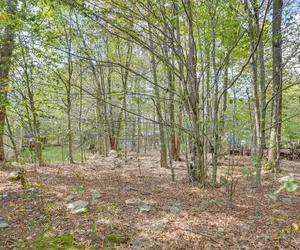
pixel 201 218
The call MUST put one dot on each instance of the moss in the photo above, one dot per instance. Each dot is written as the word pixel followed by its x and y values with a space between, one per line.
pixel 63 242
pixel 117 239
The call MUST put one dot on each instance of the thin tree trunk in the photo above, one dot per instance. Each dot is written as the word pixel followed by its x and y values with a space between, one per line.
pixel 275 136
pixel 163 148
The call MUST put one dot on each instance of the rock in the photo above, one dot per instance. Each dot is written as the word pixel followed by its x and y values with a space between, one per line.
pixel 69 198
pixel 174 209
pixel 177 205
pixel 76 205
pixel 80 210
pixel 14 176
pixel 132 202
pixel 3 225
pixel 286 200
pixel 129 158
pixel 96 196
pixel 15 164
pixel 272 197
pixel 223 190
pixel 145 208
pixel 137 242
pixel 4 195
pixel 128 188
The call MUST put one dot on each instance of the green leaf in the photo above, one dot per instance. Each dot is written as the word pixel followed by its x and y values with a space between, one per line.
pixel 290 186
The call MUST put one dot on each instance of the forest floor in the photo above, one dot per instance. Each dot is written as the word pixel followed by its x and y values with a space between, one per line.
pixel 201 218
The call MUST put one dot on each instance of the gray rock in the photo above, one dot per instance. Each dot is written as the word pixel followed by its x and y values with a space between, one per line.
pixel 132 202
pixel 128 188
pixel 15 164
pixel 223 190
pixel 14 176
pixel 69 198
pixel 3 225
pixel 174 209
pixel 145 208
pixel 96 196
pixel 272 197
pixel 4 195
pixel 177 205
pixel 137 242
pixel 76 205
pixel 286 200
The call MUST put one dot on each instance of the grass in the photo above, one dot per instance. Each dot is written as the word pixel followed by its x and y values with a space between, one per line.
pixel 63 242
pixel 52 154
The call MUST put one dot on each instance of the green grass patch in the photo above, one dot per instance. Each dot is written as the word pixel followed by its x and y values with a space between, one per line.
pixel 117 239
pixel 51 154
pixel 62 242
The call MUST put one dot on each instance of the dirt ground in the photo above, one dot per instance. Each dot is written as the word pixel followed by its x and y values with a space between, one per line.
pixel 205 221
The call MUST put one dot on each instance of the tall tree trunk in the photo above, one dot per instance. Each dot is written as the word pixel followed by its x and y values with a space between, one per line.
pixel 254 83
pixel 275 136
pixel 163 148
pixel 7 44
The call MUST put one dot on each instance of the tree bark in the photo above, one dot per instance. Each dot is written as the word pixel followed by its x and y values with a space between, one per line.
pixel 275 137
pixel 7 44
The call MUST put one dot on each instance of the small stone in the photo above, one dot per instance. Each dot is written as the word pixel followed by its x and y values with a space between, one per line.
pixel 14 176
pixel 177 205
pixel 69 198
pixel 4 195
pixel 174 209
pixel 128 188
pixel 77 205
pixel 272 197
pixel 137 242
pixel 132 202
pixel 223 190
pixel 80 210
pixel 286 200
pixel 96 196
pixel 15 164
pixel 3 225
pixel 145 208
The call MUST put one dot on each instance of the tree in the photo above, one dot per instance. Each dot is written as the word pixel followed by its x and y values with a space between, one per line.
pixel 275 135
pixel 6 51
